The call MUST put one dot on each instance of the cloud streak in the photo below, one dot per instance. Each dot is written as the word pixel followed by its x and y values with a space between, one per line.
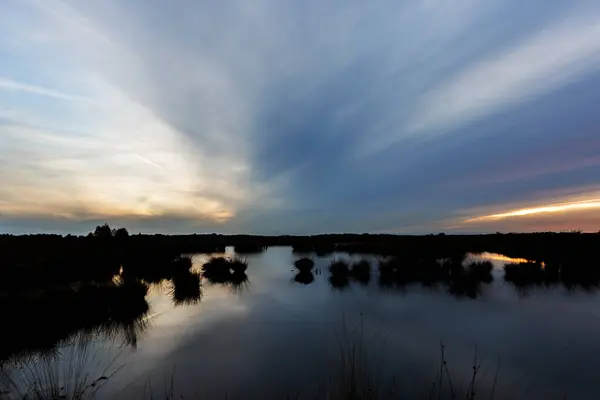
pixel 6 84
pixel 547 209
pixel 560 54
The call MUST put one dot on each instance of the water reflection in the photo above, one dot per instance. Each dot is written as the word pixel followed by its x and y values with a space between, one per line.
pixel 238 283
pixel 106 310
pixel 183 283
pixel 497 260
pixel 458 279
pixel 186 288
pixel 249 336
pixel 340 275
pixel 304 277
pixel 229 272
pixel 120 308
pixel 344 272
pixel 339 282
pixel 361 272
pixel 460 275
pixel 527 275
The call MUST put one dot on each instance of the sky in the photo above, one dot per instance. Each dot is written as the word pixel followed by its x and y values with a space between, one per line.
pixel 289 117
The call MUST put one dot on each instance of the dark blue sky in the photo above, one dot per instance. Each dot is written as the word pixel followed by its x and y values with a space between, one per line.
pixel 300 117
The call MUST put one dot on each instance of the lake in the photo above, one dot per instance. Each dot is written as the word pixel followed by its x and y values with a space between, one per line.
pixel 278 335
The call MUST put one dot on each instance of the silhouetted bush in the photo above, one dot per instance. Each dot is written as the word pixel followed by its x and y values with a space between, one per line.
pixel 304 264
pixel 225 270
pixel 182 263
pixel 303 247
pixel 151 267
pixel 186 288
pixel 323 250
pixel 481 270
pixel 250 248
pixel 403 272
pixel 523 274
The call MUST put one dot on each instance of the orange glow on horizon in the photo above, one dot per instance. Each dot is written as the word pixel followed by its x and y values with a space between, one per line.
pixel 85 207
pixel 553 208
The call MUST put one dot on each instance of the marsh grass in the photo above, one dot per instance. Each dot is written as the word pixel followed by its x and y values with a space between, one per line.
pixel 238 283
pixel 73 372
pixel 223 266
pixel 230 272
pixel 445 386
pixel 358 372
pixel 354 377
pixel 186 289
pixel 182 263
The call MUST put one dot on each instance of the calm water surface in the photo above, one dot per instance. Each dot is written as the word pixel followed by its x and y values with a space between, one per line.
pixel 275 337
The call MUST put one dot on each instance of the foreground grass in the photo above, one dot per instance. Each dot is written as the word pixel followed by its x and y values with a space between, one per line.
pixel 74 373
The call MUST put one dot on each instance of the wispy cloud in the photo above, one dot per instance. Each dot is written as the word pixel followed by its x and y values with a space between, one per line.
pixel 545 209
pixel 558 55
pixel 7 84
pixel 122 157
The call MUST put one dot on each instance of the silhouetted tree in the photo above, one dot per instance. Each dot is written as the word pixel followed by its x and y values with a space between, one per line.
pixel 120 233
pixel 103 231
